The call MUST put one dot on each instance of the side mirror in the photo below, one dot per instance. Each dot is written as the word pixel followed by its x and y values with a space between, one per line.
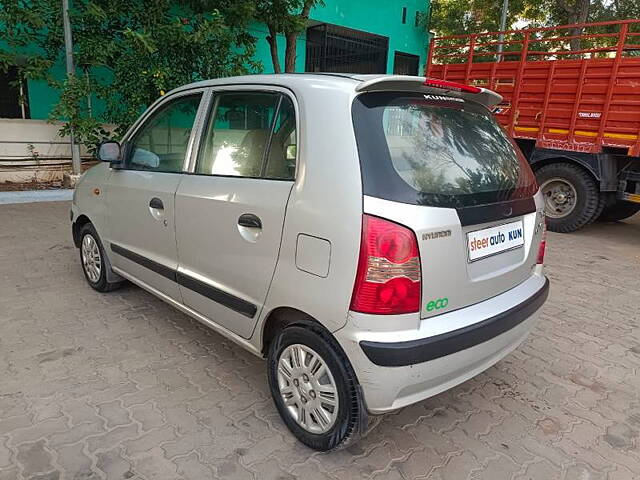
pixel 291 152
pixel 109 152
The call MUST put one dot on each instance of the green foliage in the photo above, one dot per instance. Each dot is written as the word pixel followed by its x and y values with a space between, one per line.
pixel 132 51
pixel 285 15
pixel 452 17
pixel 73 106
pixel 616 10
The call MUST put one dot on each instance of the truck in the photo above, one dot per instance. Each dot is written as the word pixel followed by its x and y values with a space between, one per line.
pixel 571 101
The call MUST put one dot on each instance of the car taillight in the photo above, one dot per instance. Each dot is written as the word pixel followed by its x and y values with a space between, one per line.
pixel 543 244
pixel 388 276
pixel 446 85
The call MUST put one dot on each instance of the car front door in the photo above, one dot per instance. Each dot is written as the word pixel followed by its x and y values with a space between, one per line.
pixel 141 194
pixel 230 211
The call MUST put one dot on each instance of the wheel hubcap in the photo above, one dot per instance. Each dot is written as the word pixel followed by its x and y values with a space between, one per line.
pixel 91 261
pixel 560 197
pixel 307 388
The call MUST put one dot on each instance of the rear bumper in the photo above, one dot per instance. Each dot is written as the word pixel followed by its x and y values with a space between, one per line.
pixel 401 354
pixel 398 368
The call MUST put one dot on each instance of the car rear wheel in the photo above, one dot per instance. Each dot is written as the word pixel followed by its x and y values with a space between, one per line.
pixel 619 211
pixel 315 388
pixel 93 260
pixel 571 196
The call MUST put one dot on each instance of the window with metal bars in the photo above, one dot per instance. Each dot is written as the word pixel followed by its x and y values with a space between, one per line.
pixel 331 48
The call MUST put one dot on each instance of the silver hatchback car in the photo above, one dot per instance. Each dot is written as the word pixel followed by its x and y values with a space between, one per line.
pixel 379 239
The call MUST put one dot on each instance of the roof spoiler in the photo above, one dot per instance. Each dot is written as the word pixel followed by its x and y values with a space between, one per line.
pixel 489 98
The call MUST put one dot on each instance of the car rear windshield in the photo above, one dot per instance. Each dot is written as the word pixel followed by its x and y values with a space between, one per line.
pixel 436 150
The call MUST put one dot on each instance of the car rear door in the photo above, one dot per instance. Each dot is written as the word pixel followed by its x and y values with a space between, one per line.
pixel 230 210
pixel 443 167
pixel 140 194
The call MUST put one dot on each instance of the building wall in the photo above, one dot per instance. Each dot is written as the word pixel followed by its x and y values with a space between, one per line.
pixel 43 97
pixel 382 17
pixel 32 151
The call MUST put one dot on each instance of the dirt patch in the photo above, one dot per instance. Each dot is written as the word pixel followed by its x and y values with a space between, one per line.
pixel 43 177
pixel 19 187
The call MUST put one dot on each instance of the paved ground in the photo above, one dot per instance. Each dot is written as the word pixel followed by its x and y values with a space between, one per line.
pixel 30 196
pixel 121 386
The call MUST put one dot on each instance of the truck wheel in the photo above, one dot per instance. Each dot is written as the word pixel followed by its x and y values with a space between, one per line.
pixel 602 203
pixel 571 196
pixel 619 211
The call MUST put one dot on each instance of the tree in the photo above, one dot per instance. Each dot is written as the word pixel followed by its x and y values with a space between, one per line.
pixel 570 12
pixel 287 17
pixel 615 10
pixel 452 17
pixel 128 52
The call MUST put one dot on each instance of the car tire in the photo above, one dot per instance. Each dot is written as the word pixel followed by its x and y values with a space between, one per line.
pixel 350 419
pixel 94 261
pixel 572 197
pixel 619 211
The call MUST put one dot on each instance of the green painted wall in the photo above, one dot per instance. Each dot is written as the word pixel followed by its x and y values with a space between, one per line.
pixel 382 17
pixel 43 97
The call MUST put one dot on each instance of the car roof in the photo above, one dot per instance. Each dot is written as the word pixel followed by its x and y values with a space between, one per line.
pixel 307 82
pixel 280 79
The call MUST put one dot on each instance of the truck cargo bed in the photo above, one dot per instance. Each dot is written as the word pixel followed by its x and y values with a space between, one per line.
pixel 581 101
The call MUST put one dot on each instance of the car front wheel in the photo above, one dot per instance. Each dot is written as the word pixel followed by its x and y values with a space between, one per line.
pixel 92 257
pixel 315 388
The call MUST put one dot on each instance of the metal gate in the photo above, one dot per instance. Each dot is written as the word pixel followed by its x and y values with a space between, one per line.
pixel 13 95
pixel 331 48
pixel 405 64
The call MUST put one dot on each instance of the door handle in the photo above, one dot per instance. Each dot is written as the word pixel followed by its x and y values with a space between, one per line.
pixel 156 203
pixel 249 220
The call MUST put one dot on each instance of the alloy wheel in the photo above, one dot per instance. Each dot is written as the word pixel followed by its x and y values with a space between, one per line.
pixel 307 388
pixel 91 260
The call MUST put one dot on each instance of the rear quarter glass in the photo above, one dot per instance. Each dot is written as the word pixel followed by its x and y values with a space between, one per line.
pixel 436 150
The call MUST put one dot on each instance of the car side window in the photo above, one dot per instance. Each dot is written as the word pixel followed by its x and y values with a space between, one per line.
pixel 241 128
pixel 281 160
pixel 160 145
pixel 238 134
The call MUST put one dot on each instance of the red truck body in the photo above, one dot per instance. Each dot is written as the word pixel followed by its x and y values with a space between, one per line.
pixel 583 100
